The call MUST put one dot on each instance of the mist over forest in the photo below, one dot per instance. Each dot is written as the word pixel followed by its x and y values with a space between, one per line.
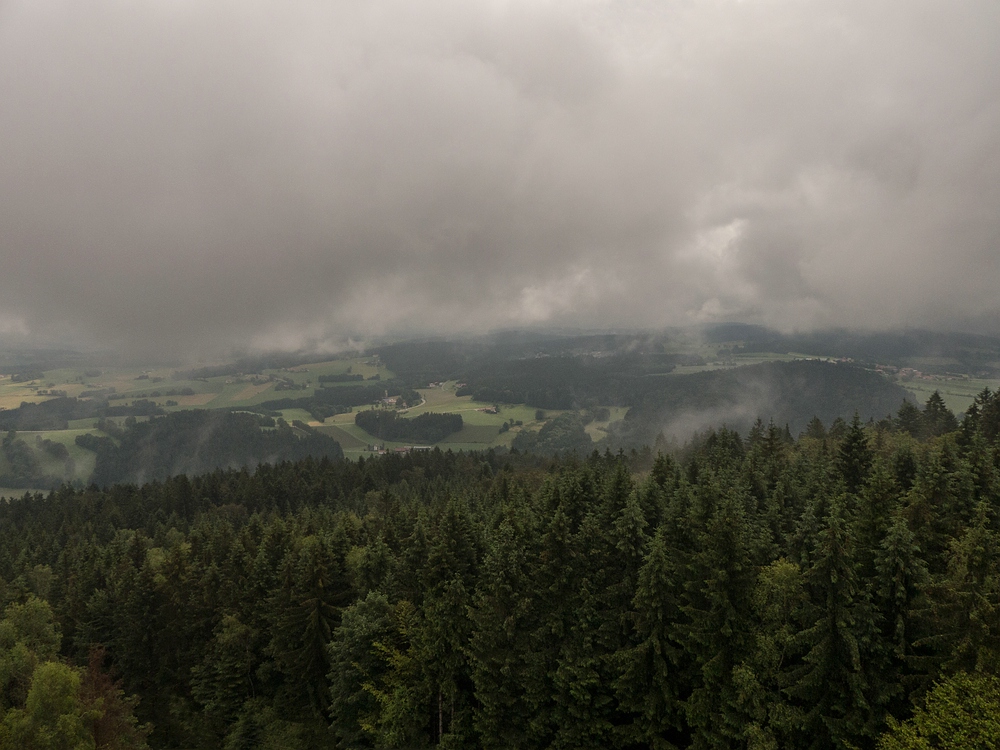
pixel 510 374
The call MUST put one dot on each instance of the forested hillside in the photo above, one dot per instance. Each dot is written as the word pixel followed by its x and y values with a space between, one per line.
pixel 55 413
pixel 597 390
pixel 790 393
pixel 638 374
pixel 758 592
pixel 199 441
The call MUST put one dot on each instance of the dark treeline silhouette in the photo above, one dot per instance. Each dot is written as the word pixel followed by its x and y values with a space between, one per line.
pixel 635 372
pixel 747 592
pixel 563 434
pixel 55 413
pixel 569 382
pixel 425 428
pixel 790 393
pixel 198 441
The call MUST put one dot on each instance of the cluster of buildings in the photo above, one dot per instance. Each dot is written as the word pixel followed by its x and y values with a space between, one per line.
pixel 401 450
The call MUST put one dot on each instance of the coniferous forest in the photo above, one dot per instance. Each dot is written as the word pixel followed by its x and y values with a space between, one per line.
pixel 832 591
pixel 499 375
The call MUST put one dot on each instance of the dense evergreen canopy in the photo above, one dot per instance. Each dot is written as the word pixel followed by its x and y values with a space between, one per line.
pixel 758 593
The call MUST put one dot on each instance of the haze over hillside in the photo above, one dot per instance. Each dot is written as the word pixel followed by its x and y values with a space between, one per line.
pixel 190 178
pixel 71 417
pixel 488 374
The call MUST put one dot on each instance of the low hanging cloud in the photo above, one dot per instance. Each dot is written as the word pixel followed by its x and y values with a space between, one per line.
pixel 182 176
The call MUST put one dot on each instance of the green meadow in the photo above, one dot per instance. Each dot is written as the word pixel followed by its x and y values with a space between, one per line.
pixel 169 389
pixel 174 390
pixel 958 391
pixel 481 428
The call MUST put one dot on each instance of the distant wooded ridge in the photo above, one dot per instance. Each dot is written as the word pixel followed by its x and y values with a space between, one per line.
pixel 654 389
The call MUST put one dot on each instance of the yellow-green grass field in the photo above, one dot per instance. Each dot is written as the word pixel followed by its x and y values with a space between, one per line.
pixel 479 434
pixel 957 391
pixel 155 384
pixel 598 430
pixel 347 441
pixel 291 415
pixel 740 359
pixel 355 441
pixel 444 400
pixel 481 428
pixel 83 460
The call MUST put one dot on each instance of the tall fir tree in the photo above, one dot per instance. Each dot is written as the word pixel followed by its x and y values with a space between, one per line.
pixel 648 687
pixel 832 684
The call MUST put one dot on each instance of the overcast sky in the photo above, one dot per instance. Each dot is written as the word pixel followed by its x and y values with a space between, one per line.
pixel 197 175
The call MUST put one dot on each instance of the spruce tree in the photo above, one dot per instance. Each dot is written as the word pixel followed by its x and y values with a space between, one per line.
pixel 306 611
pixel 356 668
pixel 500 646
pixel 717 604
pixel 832 682
pixel 899 579
pixel 648 688
pixel 854 457
pixel 771 719
pixel 937 418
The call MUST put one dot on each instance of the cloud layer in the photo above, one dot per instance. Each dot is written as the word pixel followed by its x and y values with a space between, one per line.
pixel 184 176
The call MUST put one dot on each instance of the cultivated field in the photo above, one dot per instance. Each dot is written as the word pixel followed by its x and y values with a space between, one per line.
pixel 957 391
pixel 481 428
pixel 165 385
pixel 172 391
pixel 483 422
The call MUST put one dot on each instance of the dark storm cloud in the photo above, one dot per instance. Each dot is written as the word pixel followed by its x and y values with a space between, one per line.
pixel 186 175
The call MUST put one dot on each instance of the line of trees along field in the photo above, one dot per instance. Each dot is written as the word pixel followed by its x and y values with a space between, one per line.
pixel 425 428
pixel 55 413
pixel 639 378
pixel 829 592
pixel 198 441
